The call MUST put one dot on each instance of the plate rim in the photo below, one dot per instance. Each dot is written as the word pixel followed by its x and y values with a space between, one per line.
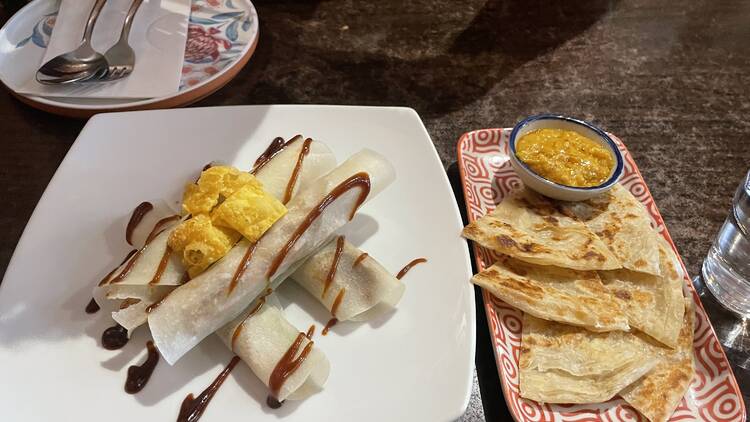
pixel 179 99
pixel 486 295
pixel 470 301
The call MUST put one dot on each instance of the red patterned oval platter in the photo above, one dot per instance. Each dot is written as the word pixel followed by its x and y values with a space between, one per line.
pixel 486 177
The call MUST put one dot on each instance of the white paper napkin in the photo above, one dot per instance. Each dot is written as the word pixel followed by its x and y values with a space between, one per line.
pixel 158 38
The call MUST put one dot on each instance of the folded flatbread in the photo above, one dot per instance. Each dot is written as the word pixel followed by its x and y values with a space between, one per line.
pixel 529 227
pixel 555 294
pixel 565 364
pixel 622 223
pixel 658 393
pixel 653 304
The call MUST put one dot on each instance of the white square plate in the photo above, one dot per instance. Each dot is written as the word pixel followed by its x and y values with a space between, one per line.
pixel 415 366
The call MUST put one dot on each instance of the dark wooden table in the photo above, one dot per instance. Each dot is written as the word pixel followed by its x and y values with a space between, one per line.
pixel 671 78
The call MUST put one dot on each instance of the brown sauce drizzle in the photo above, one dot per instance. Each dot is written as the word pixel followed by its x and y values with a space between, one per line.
pixel 310 332
pixel 335 307
pixel 360 180
pixel 288 365
pixel 334 265
pixel 276 146
pixel 138 375
pixel 156 304
pixel 162 266
pixel 138 213
pixel 193 407
pixel 258 306
pixel 297 168
pixel 115 337
pixel 408 267
pixel 111 273
pixel 331 322
pixel 241 268
pixel 273 403
pixel 360 258
pixel 128 302
pixel 92 307
pixel 158 228
pixel 337 301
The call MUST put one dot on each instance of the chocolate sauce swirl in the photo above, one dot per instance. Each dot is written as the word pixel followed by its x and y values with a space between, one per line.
pixel 138 213
pixel 138 375
pixel 193 407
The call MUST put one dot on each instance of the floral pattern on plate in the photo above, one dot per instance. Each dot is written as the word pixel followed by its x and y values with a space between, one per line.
pixel 218 32
pixel 41 32
pixel 486 177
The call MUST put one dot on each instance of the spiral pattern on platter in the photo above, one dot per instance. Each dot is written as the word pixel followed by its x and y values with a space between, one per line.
pixel 513 322
pixel 505 185
pixel 591 412
pixel 485 141
pixel 531 411
pixel 624 412
pixel 475 170
pixel 487 193
pixel 723 406
pixel 509 366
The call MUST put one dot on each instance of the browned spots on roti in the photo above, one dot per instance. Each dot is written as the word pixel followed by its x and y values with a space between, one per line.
pixel 623 294
pixel 492 277
pixel 530 247
pixel 506 242
pixel 538 206
pixel 630 216
pixel 471 231
pixel 640 263
pixel 552 220
pixel 594 255
pixel 607 233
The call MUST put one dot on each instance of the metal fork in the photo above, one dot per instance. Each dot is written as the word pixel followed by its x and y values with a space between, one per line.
pixel 121 57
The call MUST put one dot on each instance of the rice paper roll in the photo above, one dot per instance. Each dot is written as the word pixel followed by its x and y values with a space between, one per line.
pixel 152 270
pixel 349 283
pixel 262 336
pixel 277 173
pixel 212 299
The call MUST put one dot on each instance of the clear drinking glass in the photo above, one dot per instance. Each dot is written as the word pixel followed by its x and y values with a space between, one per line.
pixel 726 269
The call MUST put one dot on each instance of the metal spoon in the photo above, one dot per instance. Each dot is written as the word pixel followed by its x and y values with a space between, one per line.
pixel 82 59
pixel 71 77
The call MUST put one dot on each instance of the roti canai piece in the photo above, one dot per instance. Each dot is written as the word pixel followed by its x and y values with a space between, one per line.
pixel 556 294
pixel 658 393
pixel 623 224
pixel 653 304
pixel 528 226
pixel 565 364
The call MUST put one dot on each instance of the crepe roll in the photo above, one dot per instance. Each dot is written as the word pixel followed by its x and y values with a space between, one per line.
pixel 348 282
pixel 281 356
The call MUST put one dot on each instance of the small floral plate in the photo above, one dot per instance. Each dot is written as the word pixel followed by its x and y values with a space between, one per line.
pixel 222 35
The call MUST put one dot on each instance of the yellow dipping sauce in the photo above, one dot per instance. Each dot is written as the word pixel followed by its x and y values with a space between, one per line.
pixel 565 157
